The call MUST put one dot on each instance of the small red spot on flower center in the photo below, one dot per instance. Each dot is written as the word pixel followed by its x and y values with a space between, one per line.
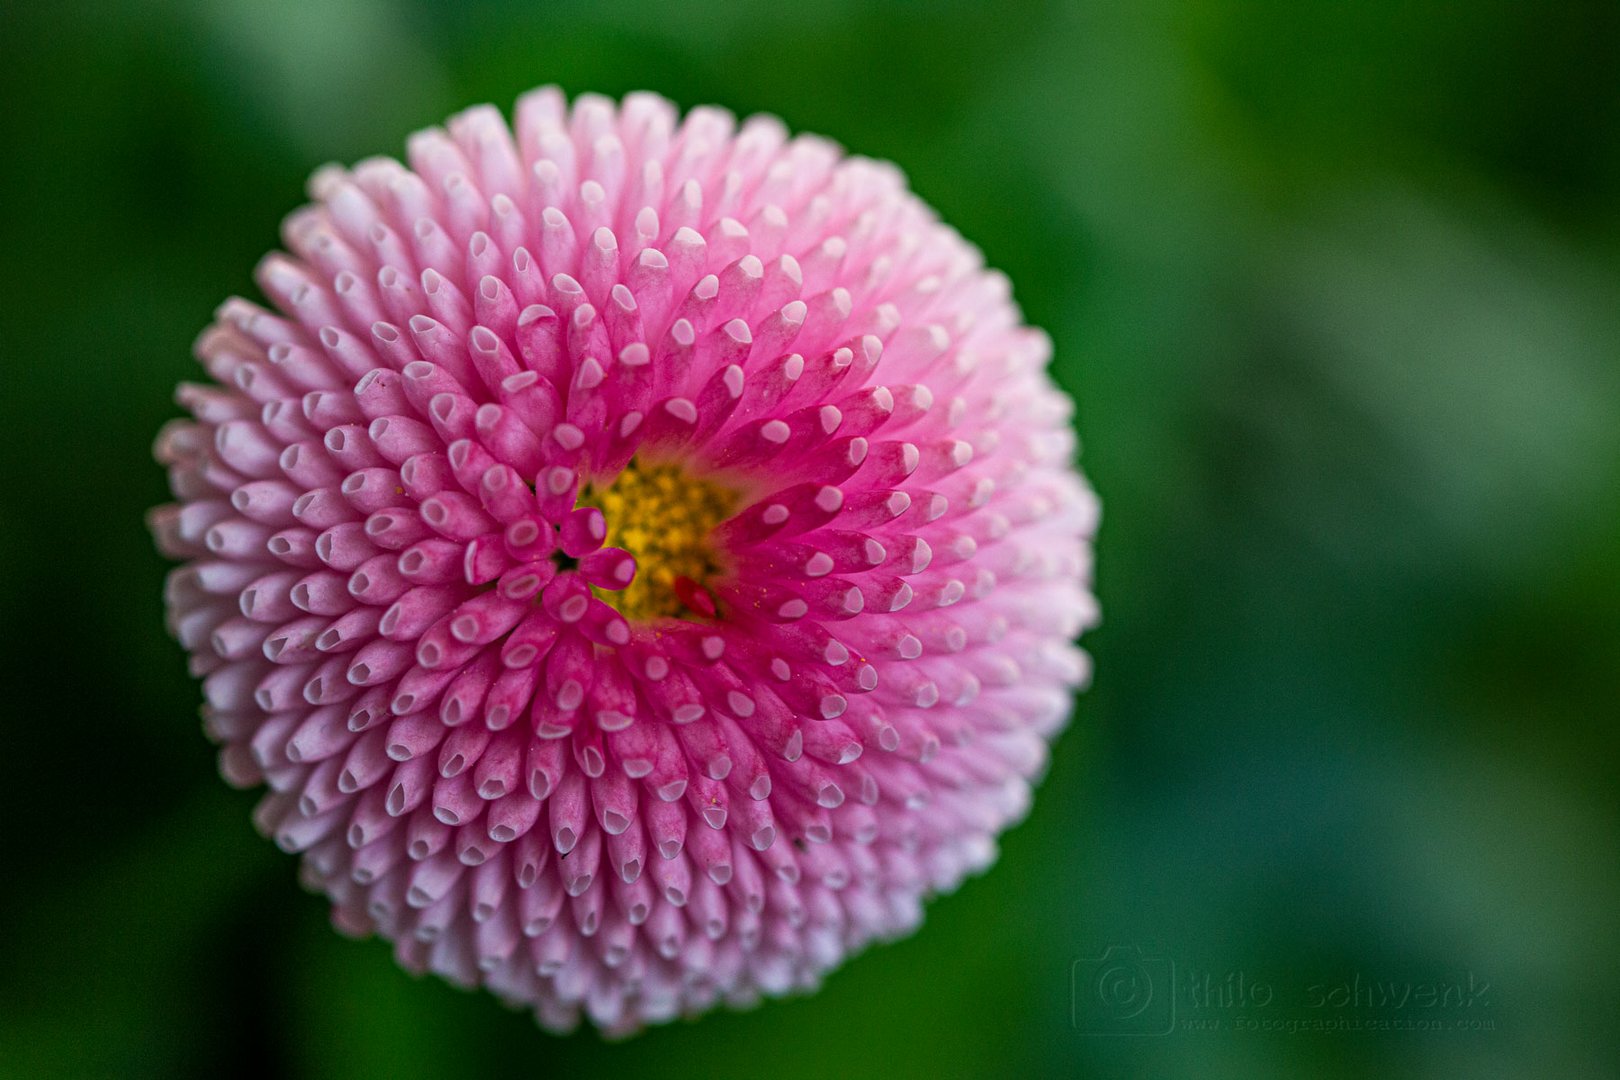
pixel 694 597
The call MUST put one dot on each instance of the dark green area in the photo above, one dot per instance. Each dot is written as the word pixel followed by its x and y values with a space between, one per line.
pixel 1337 289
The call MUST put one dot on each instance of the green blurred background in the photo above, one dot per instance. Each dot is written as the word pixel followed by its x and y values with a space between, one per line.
pixel 1337 288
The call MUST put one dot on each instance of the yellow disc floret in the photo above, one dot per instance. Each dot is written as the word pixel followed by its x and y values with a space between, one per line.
pixel 663 517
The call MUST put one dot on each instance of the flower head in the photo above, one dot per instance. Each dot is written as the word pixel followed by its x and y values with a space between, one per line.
pixel 640 555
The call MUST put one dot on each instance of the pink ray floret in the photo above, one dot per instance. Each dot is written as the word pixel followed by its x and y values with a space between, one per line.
pixel 641 555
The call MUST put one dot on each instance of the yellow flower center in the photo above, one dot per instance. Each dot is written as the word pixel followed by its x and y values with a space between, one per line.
pixel 663 517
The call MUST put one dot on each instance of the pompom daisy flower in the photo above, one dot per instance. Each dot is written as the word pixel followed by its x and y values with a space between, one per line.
pixel 641 555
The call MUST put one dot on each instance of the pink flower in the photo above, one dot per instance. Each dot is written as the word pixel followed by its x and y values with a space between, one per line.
pixel 641 557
